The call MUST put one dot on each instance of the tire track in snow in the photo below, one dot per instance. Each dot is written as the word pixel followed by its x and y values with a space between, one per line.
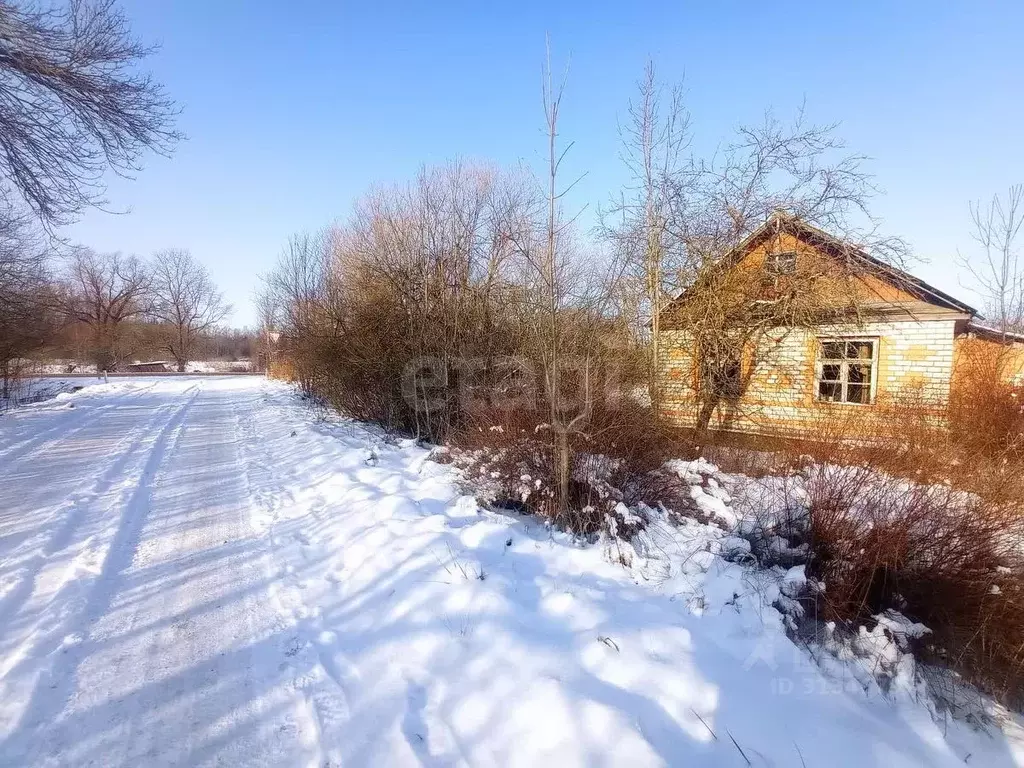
pixel 99 481
pixel 64 428
pixel 101 484
pixel 30 446
pixel 75 510
pixel 48 701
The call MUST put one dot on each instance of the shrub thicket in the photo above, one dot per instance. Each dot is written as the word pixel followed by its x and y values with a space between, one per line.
pixel 508 456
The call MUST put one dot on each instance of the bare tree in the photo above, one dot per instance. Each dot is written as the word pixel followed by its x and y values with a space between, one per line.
pixel 564 311
pixel 73 104
pixel 732 320
pixel 653 139
pixel 186 301
pixel 562 423
pixel 997 270
pixel 28 312
pixel 103 292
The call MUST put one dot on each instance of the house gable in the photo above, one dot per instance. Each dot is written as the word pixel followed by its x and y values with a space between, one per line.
pixel 812 259
pixel 842 276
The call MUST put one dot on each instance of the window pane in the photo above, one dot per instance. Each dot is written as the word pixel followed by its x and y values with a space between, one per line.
pixel 781 263
pixel 859 350
pixel 831 372
pixel 730 384
pixel 858 393
pixel 832 350
pixel 831 391
pixel 860 374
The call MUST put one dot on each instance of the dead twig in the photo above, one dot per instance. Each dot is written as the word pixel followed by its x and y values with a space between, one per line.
pixel 704 722
pixel 742 753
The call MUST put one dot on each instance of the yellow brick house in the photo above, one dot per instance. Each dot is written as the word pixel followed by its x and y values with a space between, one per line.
pixel 892 334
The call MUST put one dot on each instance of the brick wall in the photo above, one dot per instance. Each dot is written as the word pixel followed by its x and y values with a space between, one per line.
pixel 912 356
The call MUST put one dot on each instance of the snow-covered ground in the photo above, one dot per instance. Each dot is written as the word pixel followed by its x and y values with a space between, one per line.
pixel 193 571
pixel 57 367
pixel 219 366
pixel 37 389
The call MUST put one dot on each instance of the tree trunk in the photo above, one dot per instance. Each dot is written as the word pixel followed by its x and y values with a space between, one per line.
pixel 702 426
pixel 562 469
pixel 654 385
pixel 104 360
pixel 654 257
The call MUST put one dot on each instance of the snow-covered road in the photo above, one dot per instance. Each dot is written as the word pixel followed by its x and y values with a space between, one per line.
pixel 198 572
pixel 135 622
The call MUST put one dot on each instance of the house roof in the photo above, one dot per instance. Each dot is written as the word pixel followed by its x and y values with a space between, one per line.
pixel 916 309
pixel 928 296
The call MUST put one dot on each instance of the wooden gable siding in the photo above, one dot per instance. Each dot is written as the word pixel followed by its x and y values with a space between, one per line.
pixel 834 283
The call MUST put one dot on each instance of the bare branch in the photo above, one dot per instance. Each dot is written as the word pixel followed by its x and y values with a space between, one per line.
pixel 996 269
pixel 72 105
pixel 102 292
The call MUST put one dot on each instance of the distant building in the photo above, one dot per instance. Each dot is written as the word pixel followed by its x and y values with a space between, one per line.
pixel 154 366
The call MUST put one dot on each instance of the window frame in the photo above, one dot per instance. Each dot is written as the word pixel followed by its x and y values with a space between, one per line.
pixel 844 363
pixel 773 260
pixel 730 388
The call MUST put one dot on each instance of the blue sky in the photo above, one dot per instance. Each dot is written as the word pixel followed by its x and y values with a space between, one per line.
pixel 294 109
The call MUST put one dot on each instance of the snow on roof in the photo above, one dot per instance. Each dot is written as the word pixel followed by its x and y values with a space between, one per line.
pixel 982 329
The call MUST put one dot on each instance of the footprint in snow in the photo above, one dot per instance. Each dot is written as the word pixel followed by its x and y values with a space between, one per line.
pixel 294 647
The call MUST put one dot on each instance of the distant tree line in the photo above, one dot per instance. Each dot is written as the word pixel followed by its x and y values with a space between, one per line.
pixel 75 104
pixel 108 309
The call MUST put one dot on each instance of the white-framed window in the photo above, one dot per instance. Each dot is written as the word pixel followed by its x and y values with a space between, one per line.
pixel 780 263
pixel 845 370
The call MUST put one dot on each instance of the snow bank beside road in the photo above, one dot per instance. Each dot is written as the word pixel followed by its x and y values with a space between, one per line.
pixel 37 390
pixel 448 634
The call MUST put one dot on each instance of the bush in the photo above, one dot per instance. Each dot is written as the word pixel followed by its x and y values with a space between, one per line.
pixel 941 556
pixel 917 507
pixel 434 287
pixel 986 409
pixel 975 441
pixel 616 466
